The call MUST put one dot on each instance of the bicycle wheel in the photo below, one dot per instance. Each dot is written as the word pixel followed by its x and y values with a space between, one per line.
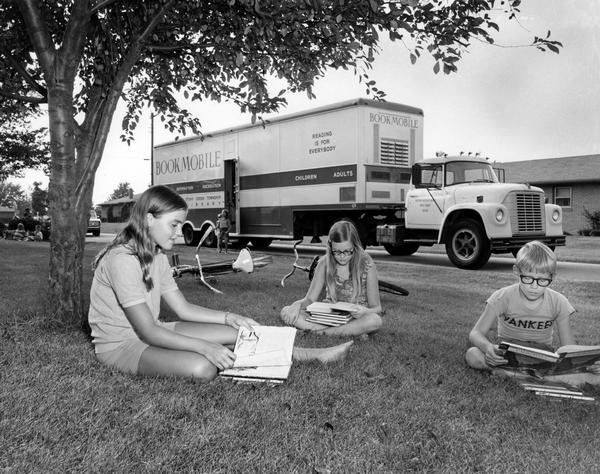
pixel 388 287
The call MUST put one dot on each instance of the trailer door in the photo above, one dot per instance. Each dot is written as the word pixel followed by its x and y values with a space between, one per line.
pixel 231 196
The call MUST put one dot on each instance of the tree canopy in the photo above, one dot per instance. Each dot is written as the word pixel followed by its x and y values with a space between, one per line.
pixel 122 190
pixel 82 57
pixel 12 195
pixel 39 199
pixel 22 146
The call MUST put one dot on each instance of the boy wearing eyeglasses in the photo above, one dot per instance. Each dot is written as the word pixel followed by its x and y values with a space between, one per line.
pixel 527 312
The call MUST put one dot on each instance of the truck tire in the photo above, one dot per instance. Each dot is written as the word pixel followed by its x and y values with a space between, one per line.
pixel 190 237
pixel 467 245
pixel 211 239
pixel 261 243
pixel 401 250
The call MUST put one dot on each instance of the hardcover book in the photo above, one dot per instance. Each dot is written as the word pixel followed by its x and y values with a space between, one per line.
pixel 262 355
pixel 557 391
pixel 572 351
pixel 331 314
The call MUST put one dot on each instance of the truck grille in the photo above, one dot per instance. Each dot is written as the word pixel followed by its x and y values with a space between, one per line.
pixel 526 212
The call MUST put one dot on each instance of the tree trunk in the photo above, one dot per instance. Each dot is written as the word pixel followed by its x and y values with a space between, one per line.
pixel 69 208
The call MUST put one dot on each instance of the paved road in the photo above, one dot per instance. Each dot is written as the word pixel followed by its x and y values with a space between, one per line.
pixel 572 271
pixel 569 270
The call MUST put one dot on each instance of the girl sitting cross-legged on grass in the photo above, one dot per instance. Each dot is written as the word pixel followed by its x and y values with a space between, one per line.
pixel 526 313
pixel 347 273
pixel 132 274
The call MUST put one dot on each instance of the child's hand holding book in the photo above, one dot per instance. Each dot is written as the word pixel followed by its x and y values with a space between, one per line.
pixel 495 356
pixel 357 310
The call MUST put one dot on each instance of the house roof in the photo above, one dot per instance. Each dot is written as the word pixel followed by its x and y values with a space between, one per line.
pixel 6 209
pixel 122 200
pixel 569 169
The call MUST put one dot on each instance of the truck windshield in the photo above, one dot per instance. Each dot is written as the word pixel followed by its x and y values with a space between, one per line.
pixel 458 172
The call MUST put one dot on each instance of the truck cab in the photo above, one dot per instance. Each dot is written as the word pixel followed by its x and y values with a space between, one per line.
pixel 458 201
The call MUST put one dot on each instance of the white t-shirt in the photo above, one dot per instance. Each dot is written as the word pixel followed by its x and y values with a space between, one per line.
pixel 118 284
pixel 522 320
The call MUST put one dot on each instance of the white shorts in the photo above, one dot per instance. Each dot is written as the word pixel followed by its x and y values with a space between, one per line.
pixel 126 357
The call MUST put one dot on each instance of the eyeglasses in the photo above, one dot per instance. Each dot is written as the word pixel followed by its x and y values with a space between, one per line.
pixel 528 280
pixel 345 253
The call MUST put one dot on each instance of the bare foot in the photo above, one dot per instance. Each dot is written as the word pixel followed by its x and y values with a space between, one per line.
pixel 325 355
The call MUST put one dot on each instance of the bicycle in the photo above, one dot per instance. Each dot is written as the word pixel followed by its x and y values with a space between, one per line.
pixel 384 286
pixel 245 262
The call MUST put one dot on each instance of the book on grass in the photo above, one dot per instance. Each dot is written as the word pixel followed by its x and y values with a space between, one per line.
pixel 262 355
pixel 584 355
pixel 559 391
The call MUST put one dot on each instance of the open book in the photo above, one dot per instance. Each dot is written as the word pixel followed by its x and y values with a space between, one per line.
pixel 262 355
pixel 565 358
pixel 331 314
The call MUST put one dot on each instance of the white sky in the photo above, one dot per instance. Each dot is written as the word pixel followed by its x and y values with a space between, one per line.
pixel 508 103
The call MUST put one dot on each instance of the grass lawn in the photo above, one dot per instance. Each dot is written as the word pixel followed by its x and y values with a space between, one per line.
pixel 402 401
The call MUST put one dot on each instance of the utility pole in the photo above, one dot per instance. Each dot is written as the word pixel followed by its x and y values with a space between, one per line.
pixel 151 148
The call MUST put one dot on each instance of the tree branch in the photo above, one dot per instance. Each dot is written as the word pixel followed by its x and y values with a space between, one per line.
pixel 100 126
pixel 74 39
pixel 38 34
pixel 24 98
pixel 21 70
pixel 100 5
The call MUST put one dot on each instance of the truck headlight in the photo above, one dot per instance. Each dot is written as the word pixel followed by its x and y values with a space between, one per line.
pixel 499 215
pixel 556 215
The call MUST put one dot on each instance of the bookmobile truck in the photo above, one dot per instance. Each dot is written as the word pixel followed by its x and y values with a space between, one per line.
pixel 295 175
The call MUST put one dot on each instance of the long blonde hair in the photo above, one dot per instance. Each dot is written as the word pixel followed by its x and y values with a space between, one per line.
pixel 345 231
pixel 156 200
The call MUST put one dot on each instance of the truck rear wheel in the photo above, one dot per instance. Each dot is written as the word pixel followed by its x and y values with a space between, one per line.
pixel 400 250
pixel 467 245
pixel 261 243
pixel 190 236
pixel 211 238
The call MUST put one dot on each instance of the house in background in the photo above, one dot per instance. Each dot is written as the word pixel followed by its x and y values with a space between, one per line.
pixel 6 214
pixel 572 182
pixel 117 210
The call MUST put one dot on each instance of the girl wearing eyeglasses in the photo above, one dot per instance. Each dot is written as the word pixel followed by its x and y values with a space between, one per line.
pixel 526 313
pixel 347 273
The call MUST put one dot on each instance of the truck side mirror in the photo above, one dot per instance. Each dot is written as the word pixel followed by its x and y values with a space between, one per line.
pixel 500 174
pixel 416 175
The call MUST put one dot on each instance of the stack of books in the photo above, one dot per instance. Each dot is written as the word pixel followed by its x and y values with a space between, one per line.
pixel 557 392
pixel 262 355
pixel 330 314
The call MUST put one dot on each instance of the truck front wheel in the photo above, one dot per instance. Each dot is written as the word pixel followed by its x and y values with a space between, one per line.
pixel 400 250
pixel 467 245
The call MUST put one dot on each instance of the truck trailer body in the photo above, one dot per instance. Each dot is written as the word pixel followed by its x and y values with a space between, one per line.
pixel 295 175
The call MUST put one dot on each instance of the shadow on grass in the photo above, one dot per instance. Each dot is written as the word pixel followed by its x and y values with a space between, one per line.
pixel 402 401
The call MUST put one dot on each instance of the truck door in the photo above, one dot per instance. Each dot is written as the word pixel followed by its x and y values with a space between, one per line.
pixel 231 196
pixel 425 204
